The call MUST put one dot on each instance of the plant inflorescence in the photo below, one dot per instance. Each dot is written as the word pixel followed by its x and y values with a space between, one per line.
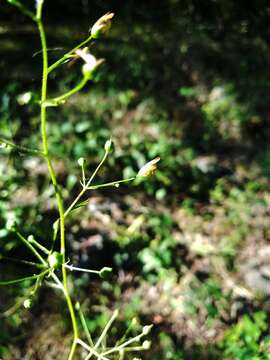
pixel 51 265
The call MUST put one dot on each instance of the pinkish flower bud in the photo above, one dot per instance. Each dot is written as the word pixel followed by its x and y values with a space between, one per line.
pixel 102 26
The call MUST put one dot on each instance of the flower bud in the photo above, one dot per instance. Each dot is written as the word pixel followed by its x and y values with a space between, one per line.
pixel 81 161
pixel 11 224
pixel 27 303
pixel 134 322
pixel 102 26
pixel 146 345
pixel 108 145
pixel 146 329
pixel 149 168
pixel 25 98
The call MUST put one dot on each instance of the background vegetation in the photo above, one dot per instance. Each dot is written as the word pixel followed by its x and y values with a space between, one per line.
pixel 184 80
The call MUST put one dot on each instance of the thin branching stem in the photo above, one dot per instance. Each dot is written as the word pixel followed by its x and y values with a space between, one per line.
pixel 91 350
pixel 16 281
pixel 74 268
pixel 68 55
pixel 82 192
pixel 123 345
pixel 112 183
pixel 62 98
pixel 43 117
pixel 24 262
pixel 20 148
pixel 31 247
pixel 84 325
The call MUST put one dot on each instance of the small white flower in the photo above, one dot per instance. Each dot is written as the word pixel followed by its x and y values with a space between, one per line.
pixel 24 99
pixel 27 303
pixel 91 63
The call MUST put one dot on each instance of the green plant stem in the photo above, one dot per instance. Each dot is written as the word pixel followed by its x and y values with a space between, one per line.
pixel 62 98
pixel 91 350
pixel 58 196
pixel 85 188
pixel 20 148
pixel 30 247
pixel 19 261
pixel 74 268
pixel 106 329
pixel 84 325
pixel 123 345
pixel 16 281
pixel 103 334
pixel 113 183
pixel 39 246
pixel 23 9
pixel 68 54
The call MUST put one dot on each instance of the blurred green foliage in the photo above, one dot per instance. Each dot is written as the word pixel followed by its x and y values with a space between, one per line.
pixel 244 340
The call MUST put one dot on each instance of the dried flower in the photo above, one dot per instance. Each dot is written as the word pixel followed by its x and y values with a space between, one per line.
pixel 149 168
pixel 102 26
